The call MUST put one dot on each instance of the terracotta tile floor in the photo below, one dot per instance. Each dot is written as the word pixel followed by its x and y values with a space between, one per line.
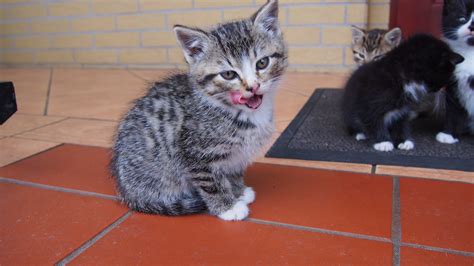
pixel 58 201
pixel 59 207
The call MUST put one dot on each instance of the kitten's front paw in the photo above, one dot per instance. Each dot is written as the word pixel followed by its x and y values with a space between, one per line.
pixel 384 146
pixel 407 145
pixel 248 196
pixel 238 212
pixel 446 138
pixel 361 136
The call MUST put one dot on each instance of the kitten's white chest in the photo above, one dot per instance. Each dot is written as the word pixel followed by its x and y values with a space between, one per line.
pixel 464 71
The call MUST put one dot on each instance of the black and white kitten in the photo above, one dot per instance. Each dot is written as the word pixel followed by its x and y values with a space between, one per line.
pixel 458 31
pixel 380 95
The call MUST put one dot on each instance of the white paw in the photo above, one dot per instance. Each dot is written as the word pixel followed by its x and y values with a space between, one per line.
pixel 361 136
pixel 446 138
pixel 384 146
pixel 238 212
pixel 407 145
pixel 248 196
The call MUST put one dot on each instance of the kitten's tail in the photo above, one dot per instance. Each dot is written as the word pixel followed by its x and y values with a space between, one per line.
pixel 182 206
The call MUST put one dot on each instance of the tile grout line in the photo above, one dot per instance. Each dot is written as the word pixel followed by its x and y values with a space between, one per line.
pixel 93 240
pixel 319 230
pixel 396 222
pixel 436 249
pixel 373 169
pixel 40 127
pixel 49 91
pixel 59 189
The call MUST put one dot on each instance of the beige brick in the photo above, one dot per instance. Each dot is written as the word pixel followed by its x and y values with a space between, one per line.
pixel 114 6
pixel 117 39
pixel 72 41
pixel 316 55
pixel 17 1
pixel 316 14
pixel 54 57
pixel 50 26
pixel 15 28
pixel 221 3
pixel 7 43
pixel 235 14
pixel 165 4
pixel 93 24
pixel 337 35
pixel 30 11
pixel 70 8
pixel 379 14
pixel 143 56
pixel 349 61
pixel 167 38
pixel 96 57
pixel 148 21
pixel 262 2
pixel 357 13
pixel 32 42
pixel 300 35
pixel 176 56
pixel 17 57
pixel 195 19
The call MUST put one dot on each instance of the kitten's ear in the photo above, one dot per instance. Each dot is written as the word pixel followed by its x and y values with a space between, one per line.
pixel 456 58
pixel 357 34
pixel 267 17
pixel 393 37
pixel 194 42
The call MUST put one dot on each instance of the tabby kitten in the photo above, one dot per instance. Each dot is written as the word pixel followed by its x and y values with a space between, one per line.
pixel 373 44
pixel 183 147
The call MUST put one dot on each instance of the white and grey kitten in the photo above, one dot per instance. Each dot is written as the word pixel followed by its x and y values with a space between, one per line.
pixel 183 147
pixel 458 31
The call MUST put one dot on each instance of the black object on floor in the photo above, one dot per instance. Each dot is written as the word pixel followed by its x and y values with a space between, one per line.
pixel 7 101
pixel 318 133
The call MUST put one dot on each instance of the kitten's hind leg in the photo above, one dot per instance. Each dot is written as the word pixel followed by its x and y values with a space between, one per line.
pixel 383 141
pixel 242 192
pixel 356 128
pixel 217 193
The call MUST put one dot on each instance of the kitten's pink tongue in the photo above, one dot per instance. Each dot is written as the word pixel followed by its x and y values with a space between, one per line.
pixel 237 98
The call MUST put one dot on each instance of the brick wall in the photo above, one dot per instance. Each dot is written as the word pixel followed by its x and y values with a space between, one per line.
pixel 137 33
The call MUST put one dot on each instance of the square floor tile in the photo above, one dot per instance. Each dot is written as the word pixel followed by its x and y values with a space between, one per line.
pixel 94 93
pixel 437 213
pixel 349 202
pixel 14 149
pixel 41 226
pixel 413 256
pixel 204 240
pixel 69 166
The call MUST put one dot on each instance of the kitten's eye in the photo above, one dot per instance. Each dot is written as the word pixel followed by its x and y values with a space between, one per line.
pixel 263 63
pixel 229 75
pixel 361 56
pixel 462 19
pixel 378 57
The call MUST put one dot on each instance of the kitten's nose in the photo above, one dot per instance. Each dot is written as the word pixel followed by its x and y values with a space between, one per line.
pixel 254 88
pixel 471 28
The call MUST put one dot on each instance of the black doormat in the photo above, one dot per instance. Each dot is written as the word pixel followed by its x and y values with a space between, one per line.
pixel 318 133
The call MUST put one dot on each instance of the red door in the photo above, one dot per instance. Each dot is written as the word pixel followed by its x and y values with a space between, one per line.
pixel 414 16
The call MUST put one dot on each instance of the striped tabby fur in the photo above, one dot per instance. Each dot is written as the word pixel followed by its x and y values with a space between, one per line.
pixel 183 147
